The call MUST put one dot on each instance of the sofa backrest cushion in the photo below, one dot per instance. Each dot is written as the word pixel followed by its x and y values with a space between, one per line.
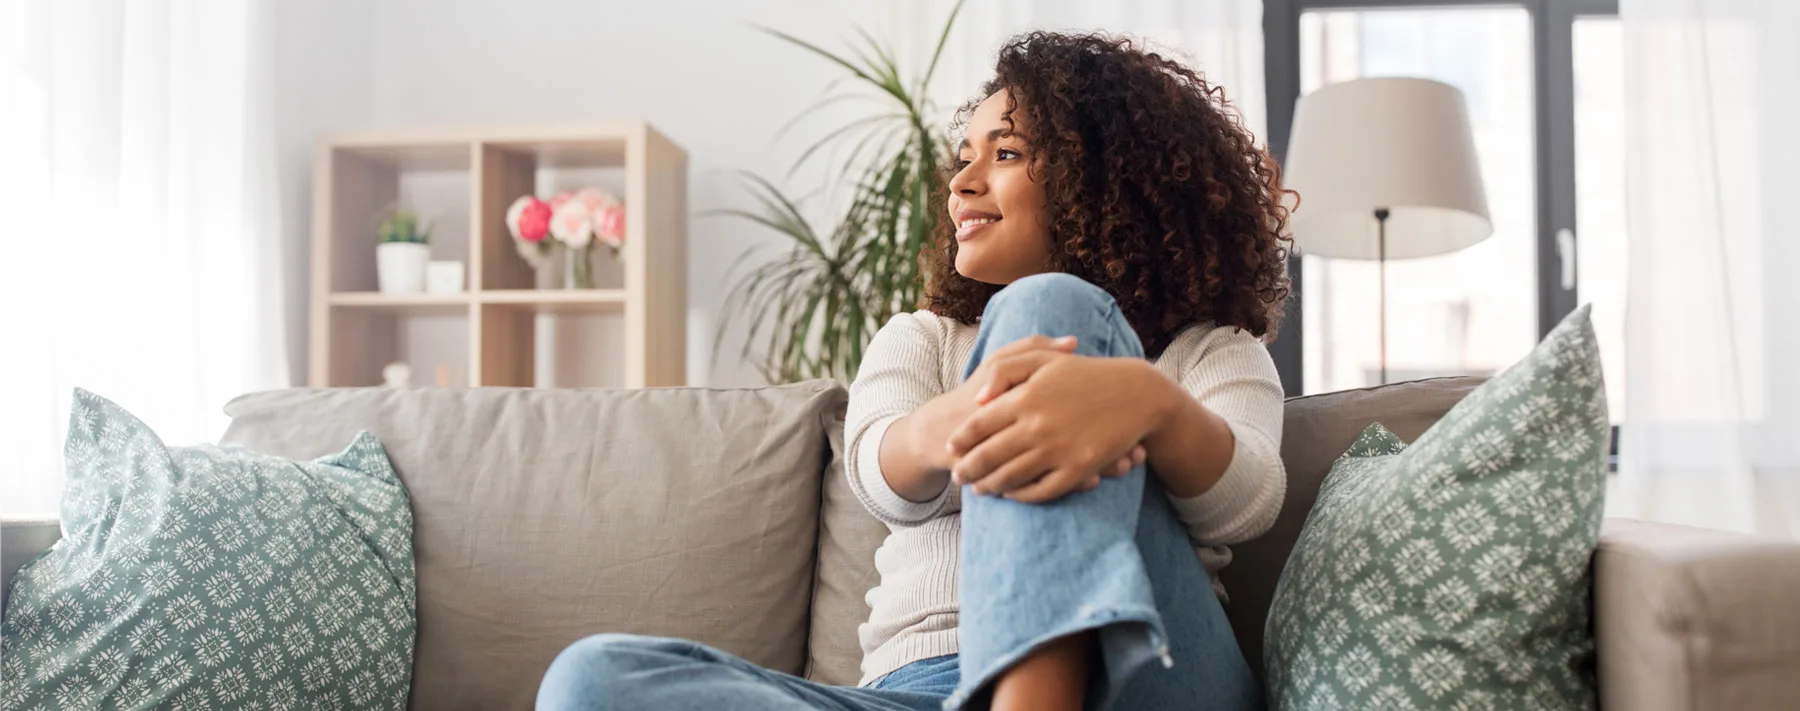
pixel 848 537
pixel 543 516
pixel 1317 430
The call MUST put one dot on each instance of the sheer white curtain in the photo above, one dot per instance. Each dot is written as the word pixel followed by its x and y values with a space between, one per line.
pixel 137 204
pixel 1712 427
pixel 1223 38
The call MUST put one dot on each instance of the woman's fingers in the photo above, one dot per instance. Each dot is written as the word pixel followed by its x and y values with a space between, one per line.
pixel 1062 482
pixel 988 455
pixel 1009 371
pixel 1014 473
pixel 986 422
pixel 1135 458
pixel 1006 367
pixel 1031 343
pixel 1050 487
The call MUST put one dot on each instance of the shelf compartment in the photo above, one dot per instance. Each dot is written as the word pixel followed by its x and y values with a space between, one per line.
pixel 358 185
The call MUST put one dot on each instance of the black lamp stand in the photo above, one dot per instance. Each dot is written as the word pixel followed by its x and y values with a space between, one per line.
pixel 1381 217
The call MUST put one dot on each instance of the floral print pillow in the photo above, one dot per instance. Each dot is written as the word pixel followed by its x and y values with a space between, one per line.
pixel 209 578
pixel 1453 573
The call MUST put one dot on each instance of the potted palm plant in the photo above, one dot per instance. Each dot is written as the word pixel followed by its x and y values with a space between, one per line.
pixel 813 312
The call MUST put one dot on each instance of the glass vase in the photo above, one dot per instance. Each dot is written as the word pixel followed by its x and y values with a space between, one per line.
pixel 578 268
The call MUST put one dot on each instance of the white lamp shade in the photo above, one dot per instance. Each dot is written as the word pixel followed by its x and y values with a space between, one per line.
pixel 1400 144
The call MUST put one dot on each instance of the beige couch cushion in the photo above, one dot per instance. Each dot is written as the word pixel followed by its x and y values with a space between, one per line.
pixel 543 516
pixel 1688 618
pixel 848 537
pixel 1316 431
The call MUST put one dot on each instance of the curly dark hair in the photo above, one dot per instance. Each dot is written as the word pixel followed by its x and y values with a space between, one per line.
pixel 1155 190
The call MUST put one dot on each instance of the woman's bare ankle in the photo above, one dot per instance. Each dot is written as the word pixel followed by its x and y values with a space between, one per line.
pixel 1054 677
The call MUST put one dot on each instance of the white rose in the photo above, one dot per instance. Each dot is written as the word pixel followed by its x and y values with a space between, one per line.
pixel 572 224
pixel 593 198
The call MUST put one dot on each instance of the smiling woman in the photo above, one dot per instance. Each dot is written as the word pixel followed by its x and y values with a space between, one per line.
pixel 1086 395
pixel 1148 204
pixel 992 179
pixel 1169 205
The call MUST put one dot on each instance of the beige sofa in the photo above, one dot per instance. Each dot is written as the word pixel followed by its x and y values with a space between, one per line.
pixel 721 515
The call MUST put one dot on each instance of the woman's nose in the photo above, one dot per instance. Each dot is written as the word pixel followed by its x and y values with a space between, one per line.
pixel 968 181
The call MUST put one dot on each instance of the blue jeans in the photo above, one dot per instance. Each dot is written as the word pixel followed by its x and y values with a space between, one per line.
pixel 1113 560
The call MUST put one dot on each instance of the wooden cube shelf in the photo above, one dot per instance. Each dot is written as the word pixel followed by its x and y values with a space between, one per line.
pixel 357 176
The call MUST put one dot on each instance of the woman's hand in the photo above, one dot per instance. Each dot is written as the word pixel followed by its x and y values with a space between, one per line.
pixel 1038 436
pixel 936 420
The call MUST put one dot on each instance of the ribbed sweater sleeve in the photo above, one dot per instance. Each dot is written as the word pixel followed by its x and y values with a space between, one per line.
pixel 1231 373
pixel 899 372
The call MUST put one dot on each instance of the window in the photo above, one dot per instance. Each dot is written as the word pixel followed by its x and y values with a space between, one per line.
pixel 1545 91
pixel 1467 312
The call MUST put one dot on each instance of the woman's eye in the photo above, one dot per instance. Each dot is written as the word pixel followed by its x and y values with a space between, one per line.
pixel 960 163
pixel 1005 153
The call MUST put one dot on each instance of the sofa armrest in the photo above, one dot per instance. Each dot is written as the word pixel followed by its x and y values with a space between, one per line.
pixel 1688 619
pixel 21 541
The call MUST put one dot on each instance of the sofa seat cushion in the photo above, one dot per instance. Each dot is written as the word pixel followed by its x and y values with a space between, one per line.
pixel 544 516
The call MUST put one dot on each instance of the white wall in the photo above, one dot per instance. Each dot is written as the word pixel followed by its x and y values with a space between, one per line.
pixel 698 70
pixel 324 51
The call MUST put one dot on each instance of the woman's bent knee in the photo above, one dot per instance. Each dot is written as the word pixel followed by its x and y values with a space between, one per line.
pixel 1054 304
pixel 596 671
pixel 613 648
pixel 1055 289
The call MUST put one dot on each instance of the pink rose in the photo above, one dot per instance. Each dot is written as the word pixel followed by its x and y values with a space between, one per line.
pixel 609 224
pixel 528 219
pixel 535 224
pixel 558 199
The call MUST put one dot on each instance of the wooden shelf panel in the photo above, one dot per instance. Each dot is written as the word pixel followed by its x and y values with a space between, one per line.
pixel 418 156
pixel 600 144
pixel 410 303
pixel 547 300
pixel 568 153
pixel 581 131
pixel 557 300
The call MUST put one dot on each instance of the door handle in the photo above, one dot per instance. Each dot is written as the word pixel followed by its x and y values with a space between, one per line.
pixel 1565 251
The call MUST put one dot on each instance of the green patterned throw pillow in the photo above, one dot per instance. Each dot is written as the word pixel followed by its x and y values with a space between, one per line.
pixel 209 578
pixel 1453 573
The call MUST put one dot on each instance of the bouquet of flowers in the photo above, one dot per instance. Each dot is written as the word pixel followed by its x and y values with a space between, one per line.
pixel 575 220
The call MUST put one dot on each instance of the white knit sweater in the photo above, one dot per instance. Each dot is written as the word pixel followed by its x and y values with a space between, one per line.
pixel 918 356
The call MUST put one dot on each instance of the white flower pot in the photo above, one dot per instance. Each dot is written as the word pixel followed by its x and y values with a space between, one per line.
pixel 400 267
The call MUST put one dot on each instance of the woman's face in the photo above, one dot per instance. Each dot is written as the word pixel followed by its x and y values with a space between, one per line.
pixel 995 204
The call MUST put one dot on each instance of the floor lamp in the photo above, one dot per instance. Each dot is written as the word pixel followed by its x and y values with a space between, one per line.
pixel 1385 169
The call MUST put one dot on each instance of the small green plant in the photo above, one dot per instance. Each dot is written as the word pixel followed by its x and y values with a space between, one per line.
pixel 404 226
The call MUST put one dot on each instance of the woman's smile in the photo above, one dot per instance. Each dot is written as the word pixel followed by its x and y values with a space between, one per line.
pixel 970 222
